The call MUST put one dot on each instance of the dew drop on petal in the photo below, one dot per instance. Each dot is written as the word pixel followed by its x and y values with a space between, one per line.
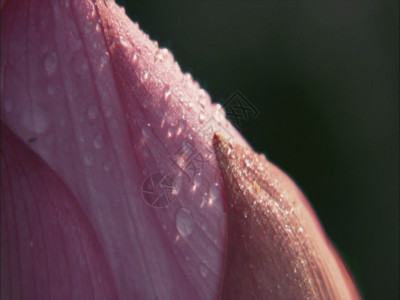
pixel 135 57
pixel 184 222
pixel 167 92
pixel 98 141
pixel 146 131
pixel 214 193
pixel 89 159
pixel 108 166
pixel 171 131
pixel 124 42
pixel 202 117
pixel 203 271
pixel 35 119
pixel 145 75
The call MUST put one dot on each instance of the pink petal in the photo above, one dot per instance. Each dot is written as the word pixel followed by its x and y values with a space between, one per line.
pixel 49 247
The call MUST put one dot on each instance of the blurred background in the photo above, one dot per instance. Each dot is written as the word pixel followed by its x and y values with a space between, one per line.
pixel 325 79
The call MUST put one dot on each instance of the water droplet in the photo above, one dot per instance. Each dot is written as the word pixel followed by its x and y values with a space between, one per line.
pixel 67 3
pixel 229 151
pixel 124 42
pixel 89 159
pixel 146 151
pixel 203 271
pixel 92 112
pixel 220 110
pixel 50 64
pixel 92 10
pixel 202 118
pixel 98 27
pixel 184 222
pixel 146 131
pixel 108 166
pixel 196 181
pixel 202 101
pixel 214 193
pixel 177 185
pixel 167 92
pixel 135 57
pixel 31 244
pixel 145 75
pixel 159 55
pixel 8 105
pixel 171 131
pixel 98 141
pixel 181 97
pixel 35 119
pixel 248 162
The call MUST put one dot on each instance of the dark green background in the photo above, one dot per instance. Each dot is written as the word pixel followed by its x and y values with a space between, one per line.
pixel 325 80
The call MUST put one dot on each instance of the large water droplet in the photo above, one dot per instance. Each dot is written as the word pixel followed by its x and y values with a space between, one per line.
pixel 98 141
pixel 184 222
pixel 92 112
pixel 89 159
pixel 51 63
